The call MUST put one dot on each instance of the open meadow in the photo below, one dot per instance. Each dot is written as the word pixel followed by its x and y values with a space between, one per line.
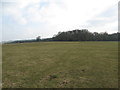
pixel 60 65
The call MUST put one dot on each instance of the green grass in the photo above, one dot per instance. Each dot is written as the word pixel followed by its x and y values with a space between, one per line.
pixel 60 65
pixel 0 66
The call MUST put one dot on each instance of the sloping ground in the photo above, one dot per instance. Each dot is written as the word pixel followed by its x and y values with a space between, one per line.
pixel 61 65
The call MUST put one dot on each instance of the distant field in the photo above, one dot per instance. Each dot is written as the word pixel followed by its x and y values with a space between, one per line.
pixel 60 65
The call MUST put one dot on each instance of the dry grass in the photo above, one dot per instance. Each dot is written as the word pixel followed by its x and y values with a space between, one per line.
pixel 61 65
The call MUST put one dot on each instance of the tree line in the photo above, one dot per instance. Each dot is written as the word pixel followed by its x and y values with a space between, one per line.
pixel 85 35
pixel 76 35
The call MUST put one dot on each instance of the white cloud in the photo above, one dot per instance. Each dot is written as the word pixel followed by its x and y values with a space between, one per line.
pixel 60 15
pixel 108 27
pixel 106 21
pixel 75 11
pixel 16 10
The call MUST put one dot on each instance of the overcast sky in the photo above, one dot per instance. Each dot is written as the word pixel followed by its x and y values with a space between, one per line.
pixel 27 19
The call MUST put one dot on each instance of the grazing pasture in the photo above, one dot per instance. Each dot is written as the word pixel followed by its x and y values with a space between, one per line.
pixel 60 65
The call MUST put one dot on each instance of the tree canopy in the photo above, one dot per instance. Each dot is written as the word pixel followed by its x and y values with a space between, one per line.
pixel 76 35
pixel 85 35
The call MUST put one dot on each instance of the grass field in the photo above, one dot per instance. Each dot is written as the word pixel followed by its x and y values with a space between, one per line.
pixel 60 65
pixel 0 66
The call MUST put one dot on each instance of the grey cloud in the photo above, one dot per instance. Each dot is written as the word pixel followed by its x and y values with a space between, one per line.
pixel 109 13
